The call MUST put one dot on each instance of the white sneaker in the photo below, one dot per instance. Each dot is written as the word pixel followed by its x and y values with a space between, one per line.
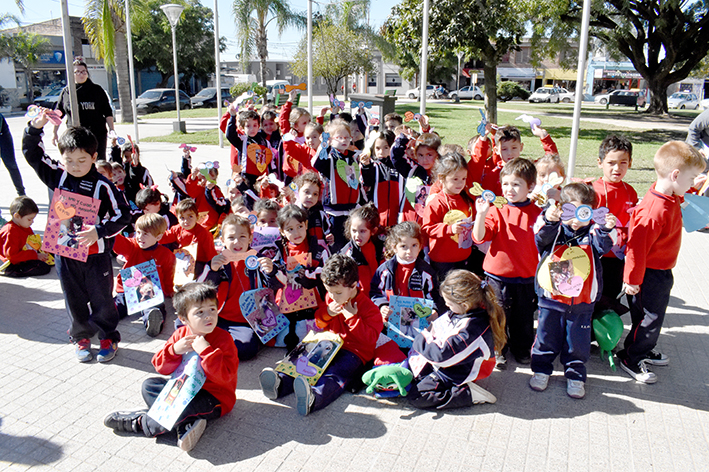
pixel 539 381
pixel 189 439
pixel 480 395
pixel 575 388
pixel 639 372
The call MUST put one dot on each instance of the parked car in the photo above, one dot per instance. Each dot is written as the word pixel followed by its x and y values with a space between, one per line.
pixel 469 92
pixel 682 100
pixel 413 93
pixel 207 97
pixel 270 85
pixel 545 95
pixel 566 96
pixel 49 100
pixel 622 97
pixel 163 99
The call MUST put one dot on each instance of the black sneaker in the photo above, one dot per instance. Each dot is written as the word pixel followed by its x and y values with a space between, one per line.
pixel 524 359
pixel 639 372
pixel 657 358
pixel 125 421
pixel 153 324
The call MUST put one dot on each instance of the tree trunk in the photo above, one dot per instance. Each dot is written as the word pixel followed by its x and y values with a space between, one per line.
pixel 262 47
pixel 658 96
pixel 490 74
pixel 123 78
pixel 28 82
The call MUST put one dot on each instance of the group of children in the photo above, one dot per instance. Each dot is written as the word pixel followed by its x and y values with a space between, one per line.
pixel 363 215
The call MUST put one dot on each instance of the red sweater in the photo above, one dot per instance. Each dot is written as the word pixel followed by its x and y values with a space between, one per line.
pixel 443 244
pixel 620 199
pixel 13 244
pixel 297 157
pixel 655 235
pixel 198 235
pixel 164 260
pixel 359 333
pixel 240 283
pixel 219 361
pixel 207 215
pixel 512 252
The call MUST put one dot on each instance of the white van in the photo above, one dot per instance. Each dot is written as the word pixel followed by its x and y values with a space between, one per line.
pixel 271 84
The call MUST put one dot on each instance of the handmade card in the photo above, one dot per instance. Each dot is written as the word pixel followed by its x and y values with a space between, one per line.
pixel 264 241
pixel 295 297
pixel 185 264
pixel 179 391
pixel 311 357
pixel 409 316
pixel 260 310
pixel 141 285
pixel 69 214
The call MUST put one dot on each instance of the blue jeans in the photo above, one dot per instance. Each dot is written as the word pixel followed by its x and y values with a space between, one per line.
pixel 7 152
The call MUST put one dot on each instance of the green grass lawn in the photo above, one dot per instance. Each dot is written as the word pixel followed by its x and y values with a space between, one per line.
pixel 457 124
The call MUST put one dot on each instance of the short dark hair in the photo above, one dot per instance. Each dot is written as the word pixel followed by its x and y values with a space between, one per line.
pixel 246 115
pixel 340 270
pixel 147 196
pixel 614 142
pixel 268 115
pixel 23 206
pixel 393 117
pixel 266 204
pixel 579 192
pixel 191 294
pixel 186 205
pixel 290 212
pixel 522 168
pixel 76 137
pixel 507 133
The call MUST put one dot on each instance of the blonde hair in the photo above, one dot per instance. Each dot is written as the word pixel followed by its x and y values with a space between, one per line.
pixel 677 155
pixel 296 113
pixel 339 126
pixel 152 223
pixel 466 289
pixel 551 161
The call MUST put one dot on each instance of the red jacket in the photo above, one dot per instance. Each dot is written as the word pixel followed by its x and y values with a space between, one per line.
pixel 13 244
pixel 198 235
pixel 359 333
pixel 219 361
pixel 620 199
pixel 655 235
pixel 207 215
pixel 233 152
pixel 297 157
pixel 443 244
pixel 164 260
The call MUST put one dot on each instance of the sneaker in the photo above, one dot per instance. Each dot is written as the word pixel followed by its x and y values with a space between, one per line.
pixel 480 395
pixel 108 350
pixel 575 388
pixel 524 359
pixel 639 372
pixel 304 397
pixel 82 350
pixel 500 361
pixel 539 381
pixel 189 439
pixel 125 421
pixel 153 324
pixel 270 381
pixel 657 358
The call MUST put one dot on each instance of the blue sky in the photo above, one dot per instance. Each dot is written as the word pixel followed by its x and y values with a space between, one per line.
pixel 279 48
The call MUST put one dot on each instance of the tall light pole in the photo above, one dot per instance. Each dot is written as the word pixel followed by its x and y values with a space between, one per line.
pixel 173 12
pixel 457 77
pixel 131 68
pixel 310 57
pixel 424 58
pixel 218 78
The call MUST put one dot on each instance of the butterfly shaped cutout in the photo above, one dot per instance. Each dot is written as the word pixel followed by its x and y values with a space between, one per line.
pixel 540 192
pixel 361 104
pixel 410 116
pixel 335 102
pixel 487 195
pixel 530 119
pixel 187 147
pixel 204 169
pixel 135 279
pixel 583 213
pixel 54 116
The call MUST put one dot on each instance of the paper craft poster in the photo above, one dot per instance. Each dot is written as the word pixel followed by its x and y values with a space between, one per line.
pixel 186 258
pixel 261 311
pixel 294 297
pixel 264 241
pixel 179 391
pixel 311 357
pixel 141 285
pixel 408 318
pixel 69 214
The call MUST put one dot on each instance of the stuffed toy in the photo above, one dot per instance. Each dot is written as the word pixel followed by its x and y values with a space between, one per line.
pixel 388 380
pixel 608 330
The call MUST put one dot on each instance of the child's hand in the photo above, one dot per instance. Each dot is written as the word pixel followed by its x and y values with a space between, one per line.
pixel 699 181
pixel 349 310
pixel 330 239
pixel 333 309
pixel 611 220
pixel 88 236
pixel 433 316
pixel 184 345
pixel 336 110
pixel 195 173
pixel 365 159
pixel 553 213
pixel 554 194
pixel 539 132
pixel 232 108
pixel 40 120
pixel 200 344
pixel 631 289
pixel 42 257
pixel 218 261
pixel 457 227
pixel 423 123
pixel 482 206
pixel 323 111
pixel 292 94
pixel 266 265
pixel 385 310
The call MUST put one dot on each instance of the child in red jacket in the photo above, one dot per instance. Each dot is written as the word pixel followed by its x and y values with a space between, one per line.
pixel 21 259
pixel 188 232
pixel 349 313
pixel 196 306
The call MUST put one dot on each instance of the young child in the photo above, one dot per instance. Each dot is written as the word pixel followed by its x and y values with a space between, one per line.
pixel 361 229
pixel 459 347
pixel 448 217
pixel 571 251
pixel 615 156
pixel 298 156
pixel 546 166
pixel 253 149
pixel 188 232
pixel 149 229
pixel 201 186
pixel 136 176
pixel 348 312
pixel 404 273
pixel 150 200
pixel 511 261
pixel 119 176
pixel 294 118
pixel 89 282
pixel 303 260
pixel 391 121
pixel 309 186
pixel 104 168
pixel 21 259
pixel 228 272
pixel 653 247
pixel 266 213
pixel 382 184
pixel 196 307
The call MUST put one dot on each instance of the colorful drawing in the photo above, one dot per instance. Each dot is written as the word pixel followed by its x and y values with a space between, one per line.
pixel 564 271
pixel 311 357
pixel 583 213
pixel 141 284
pixel 186 258
pixel 295 297
pixel 69 214
pixel 409 316
pixel 261 311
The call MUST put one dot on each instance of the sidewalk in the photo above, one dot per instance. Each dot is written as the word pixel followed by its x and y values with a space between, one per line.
pixel 52 407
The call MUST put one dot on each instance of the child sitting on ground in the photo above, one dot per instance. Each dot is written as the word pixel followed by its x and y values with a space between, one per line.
pixel 364 247
pixel 348 312
pixel 459 347
pixel 196 307
pixel 20 259
pixel 188 232
pixel 149 229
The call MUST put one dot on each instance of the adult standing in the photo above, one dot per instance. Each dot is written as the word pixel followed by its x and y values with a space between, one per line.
pixel 7 153
pixel 95 110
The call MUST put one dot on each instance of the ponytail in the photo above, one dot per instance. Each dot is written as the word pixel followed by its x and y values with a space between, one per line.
pixel 496 314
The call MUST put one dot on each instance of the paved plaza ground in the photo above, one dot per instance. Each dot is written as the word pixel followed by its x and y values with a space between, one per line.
pixel 52 407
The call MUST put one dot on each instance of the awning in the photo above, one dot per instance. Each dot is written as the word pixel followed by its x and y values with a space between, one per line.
pixel 516 73
pixel 559 74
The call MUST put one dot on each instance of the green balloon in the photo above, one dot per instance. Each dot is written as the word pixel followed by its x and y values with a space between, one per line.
pixel 608 330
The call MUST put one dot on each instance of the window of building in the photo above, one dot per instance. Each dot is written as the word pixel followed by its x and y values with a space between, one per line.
pixel 392 80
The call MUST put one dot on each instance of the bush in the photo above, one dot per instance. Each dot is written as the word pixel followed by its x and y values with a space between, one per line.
pixel 509 90
pixel 238 89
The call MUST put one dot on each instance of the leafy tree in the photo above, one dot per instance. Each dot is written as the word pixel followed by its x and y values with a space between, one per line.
pixel 509 90
pixel 337 53
pixel 24 49
pixel 195 42
pixel 252 18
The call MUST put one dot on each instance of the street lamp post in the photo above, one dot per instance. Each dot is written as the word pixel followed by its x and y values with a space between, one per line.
pixel 173 12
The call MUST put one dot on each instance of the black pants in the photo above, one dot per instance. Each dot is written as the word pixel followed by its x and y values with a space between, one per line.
pixel 122 308
pixel 442 268
pixel 247 344
pixel 27 269
pixel 7 153
pixel 292 338
pixel 88 296
pixel 647 312
pixel 203 406
pixel 429 390
pixel 337 228
pixel 612 285
pixel 519 302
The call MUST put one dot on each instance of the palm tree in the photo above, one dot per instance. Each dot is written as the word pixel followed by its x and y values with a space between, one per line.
pixel 105 25
pixel 24 49
pixel 252 17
